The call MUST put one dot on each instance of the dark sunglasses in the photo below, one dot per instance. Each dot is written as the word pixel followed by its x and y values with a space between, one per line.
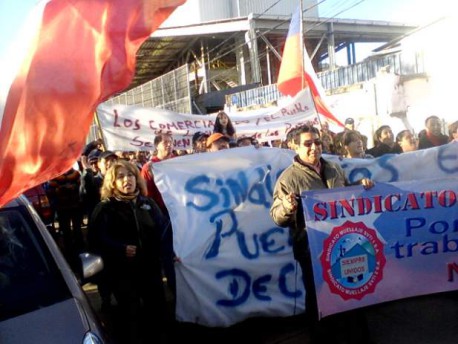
pixel 309 144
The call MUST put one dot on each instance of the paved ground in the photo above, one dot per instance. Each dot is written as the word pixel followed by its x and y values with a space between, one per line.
pixel 289 330
pixel 423 320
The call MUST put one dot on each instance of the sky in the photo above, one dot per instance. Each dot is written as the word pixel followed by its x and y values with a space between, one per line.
pixel 13 12
pixel 404 11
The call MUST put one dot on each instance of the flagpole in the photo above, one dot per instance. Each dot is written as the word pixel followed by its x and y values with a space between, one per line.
pixel 296 74
pixel 303 52
pixel 99 129
pixel 301 35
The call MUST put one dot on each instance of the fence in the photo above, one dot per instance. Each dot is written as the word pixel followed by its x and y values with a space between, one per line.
pixel 399 63
pixel 170 91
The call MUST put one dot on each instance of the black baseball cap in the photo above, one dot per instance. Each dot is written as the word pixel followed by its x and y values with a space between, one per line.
pixel 349 120
pixel 107 154
pixel 198 135
pixel 94 155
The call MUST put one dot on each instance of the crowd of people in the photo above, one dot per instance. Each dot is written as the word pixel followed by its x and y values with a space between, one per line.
pixel 129 225
pixel 350 143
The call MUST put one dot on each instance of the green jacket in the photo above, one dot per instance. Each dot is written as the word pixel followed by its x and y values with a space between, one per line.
pixel 298 178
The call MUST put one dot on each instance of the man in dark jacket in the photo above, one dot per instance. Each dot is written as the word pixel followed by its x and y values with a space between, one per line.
pixel 432 135
pixel 309 171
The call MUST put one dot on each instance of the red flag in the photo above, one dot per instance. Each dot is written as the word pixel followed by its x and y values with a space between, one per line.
pixel 296 74
pixel 83 52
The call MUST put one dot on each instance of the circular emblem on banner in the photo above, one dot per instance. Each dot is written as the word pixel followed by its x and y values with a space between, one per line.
pixel 352 260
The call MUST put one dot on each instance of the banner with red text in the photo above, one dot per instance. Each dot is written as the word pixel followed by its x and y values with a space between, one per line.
pixel 391 242
pixel 227 244
pixel 129 127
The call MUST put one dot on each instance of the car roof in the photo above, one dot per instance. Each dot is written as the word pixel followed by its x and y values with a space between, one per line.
pixel 15 203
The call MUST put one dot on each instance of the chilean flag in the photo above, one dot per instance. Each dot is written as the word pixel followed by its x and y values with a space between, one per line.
pixel 78 54
pixel 295 75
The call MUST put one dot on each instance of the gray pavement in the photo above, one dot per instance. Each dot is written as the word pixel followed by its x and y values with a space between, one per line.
pixel 423 320
pixel 431 319
pixel 288 330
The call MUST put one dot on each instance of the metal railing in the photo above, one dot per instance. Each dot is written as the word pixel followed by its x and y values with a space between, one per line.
pixel 399 63
pixel 256 96
pixel 170 91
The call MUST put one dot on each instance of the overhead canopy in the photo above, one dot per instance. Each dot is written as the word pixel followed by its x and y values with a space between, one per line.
pixel 169 48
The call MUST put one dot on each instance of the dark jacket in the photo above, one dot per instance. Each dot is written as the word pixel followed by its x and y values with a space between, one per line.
pixel 425 142
pixel 63 191
pixel 90 189
pixel 115 224
pixel 298 178
pixel 382 149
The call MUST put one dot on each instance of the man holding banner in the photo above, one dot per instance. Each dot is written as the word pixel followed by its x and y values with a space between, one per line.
pixel 310 171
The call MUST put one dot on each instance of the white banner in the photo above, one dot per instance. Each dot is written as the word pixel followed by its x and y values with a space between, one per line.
pixel 429 163
pixel 128 128
pixel 235 262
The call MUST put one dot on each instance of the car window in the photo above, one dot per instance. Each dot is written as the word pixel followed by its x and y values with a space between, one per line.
pixel 29 277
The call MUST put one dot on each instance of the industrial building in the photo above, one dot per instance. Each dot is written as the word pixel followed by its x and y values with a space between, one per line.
pixel 211 53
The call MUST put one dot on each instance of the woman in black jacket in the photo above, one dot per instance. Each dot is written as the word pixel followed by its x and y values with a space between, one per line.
pixel 384 142
pixel 126 229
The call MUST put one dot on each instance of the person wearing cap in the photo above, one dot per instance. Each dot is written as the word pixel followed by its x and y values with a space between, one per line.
pixel 106 159
pixel 350 123
pixel 246 141
pixel 89 148
pixel 199 142
pixel 93 158
pixel 93 177
pixel 91 185
pixel 217 142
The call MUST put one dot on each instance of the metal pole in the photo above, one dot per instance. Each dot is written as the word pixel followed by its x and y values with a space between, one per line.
pixel 99 129
pixel 331 47
pixel 304 52
pixel 269 76
pixel 301 30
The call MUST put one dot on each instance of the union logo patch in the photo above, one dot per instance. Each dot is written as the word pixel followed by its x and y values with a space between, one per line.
pixel 352 260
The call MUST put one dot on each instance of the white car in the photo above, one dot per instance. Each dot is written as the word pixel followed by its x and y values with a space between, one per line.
pixel 41 299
